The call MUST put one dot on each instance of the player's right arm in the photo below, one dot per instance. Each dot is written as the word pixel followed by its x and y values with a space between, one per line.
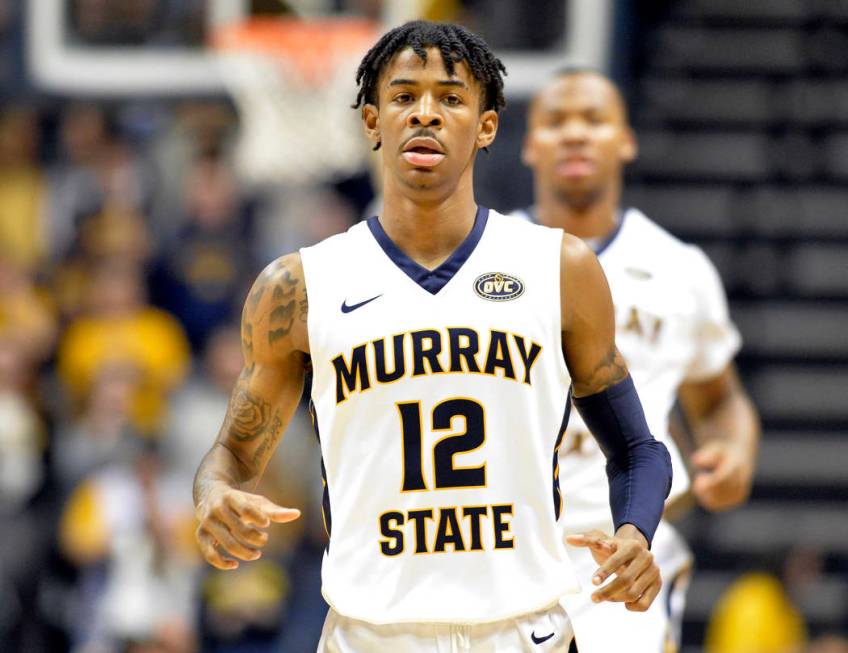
pixel 231 517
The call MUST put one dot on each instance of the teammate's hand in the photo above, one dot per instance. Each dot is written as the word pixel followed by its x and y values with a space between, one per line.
pixel 637 577
pixel 231 524
pixel 723 475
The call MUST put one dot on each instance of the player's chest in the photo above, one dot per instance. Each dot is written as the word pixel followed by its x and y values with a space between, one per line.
pixel 655 311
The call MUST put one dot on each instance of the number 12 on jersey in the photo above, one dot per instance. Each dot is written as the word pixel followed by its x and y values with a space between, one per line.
pixel 446 474
pixel 454 528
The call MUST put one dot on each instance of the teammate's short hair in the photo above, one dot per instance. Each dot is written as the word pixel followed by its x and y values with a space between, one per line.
pixel 455 44
pixel 577 69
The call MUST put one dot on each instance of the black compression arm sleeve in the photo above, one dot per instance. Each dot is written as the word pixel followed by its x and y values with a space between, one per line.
pixel 638 466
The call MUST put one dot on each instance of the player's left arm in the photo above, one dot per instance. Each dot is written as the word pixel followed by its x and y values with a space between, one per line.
pixel 726 430
pixel 638 466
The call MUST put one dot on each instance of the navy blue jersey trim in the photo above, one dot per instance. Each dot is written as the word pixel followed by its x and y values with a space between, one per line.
pixel 530 212
pixel 557 445
pixel 609 239
pixel 431 280
pixel 325 499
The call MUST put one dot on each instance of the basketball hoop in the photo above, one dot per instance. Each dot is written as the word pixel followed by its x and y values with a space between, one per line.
pixel 293 82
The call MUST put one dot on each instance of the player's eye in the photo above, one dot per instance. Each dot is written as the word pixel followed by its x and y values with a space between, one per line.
pixel 553 119
pixel 452 100
pixel 402 98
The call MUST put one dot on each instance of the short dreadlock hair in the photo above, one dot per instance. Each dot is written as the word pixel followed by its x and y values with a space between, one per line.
pixel 455 44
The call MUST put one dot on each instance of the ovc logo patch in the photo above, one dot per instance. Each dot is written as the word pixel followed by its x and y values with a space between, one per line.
pixel 498 287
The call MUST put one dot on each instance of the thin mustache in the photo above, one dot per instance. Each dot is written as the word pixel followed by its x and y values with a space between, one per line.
pixel 423 132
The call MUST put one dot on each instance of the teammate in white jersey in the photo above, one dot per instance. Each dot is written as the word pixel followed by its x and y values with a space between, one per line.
pixel 673 329
pixel 442 339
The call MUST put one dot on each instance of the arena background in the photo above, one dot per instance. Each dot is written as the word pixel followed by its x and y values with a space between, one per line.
pixel 133 217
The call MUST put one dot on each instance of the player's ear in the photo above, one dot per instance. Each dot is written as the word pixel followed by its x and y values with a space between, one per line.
pixel 629 146
pixel 371 122
pixel 487 128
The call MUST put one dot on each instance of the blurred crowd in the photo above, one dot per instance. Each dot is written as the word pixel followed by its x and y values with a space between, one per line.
pixel 127 246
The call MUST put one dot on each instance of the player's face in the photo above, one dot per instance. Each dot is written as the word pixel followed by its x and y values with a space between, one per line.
pixel 429 123
pixel 578 138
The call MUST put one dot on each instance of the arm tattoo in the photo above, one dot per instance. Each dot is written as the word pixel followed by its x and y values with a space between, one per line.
pixel 247 417
pixel 270 441
pixel 610 370
pixel 255 297
pixel 286 286
pixel 247 346
pixel 282 317
pixel 272 308
pixel 304 306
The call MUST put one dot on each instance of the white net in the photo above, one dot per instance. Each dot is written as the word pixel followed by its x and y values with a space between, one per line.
pixel 297 124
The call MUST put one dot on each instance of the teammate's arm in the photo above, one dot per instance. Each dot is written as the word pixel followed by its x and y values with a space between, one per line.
pixel 638 467
pixel 726 430
pixel 275 347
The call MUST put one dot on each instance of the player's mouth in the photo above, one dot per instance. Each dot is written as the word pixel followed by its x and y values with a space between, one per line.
pixel 573 167
pixel 423 152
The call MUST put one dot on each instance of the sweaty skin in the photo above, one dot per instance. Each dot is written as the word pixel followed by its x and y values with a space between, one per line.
pixel 578 142
pixel 429 209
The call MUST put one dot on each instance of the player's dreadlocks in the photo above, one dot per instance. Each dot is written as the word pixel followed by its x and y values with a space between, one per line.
pixel 455 44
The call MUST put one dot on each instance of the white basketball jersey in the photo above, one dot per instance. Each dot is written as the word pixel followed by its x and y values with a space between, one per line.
pixel 439 399
pixel 672 325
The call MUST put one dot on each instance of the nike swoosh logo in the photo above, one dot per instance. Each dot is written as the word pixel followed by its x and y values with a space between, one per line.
pixel 353 307
pixel 540 640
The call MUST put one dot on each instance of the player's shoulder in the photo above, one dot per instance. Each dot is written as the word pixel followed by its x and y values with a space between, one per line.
pixel 637 227
pixel 642 233
pixel 513 225
pixel 339 242
pixel 525 214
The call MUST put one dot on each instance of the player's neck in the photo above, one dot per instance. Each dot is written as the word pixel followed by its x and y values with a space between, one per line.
pixel 595 220
pixel 428 231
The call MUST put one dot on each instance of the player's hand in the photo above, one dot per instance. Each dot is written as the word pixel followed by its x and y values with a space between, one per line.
pixel 231 524
pixel 625 555
pixel 723 474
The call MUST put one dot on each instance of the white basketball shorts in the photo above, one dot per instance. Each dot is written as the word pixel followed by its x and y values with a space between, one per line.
pixel 545 631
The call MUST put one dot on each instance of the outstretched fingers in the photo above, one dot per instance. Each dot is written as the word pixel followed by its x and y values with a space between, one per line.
pixel 597 541
pixel 629 564
pixel 209 549
pixel 646 590
pixel 232 526
pixel 231 543
pixel 242 528
pixel 261 511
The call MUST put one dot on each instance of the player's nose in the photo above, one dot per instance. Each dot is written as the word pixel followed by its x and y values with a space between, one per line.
pixel 424 114
pixel 573 131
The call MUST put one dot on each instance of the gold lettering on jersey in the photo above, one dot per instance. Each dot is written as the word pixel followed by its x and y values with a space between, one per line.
pixel 633 323
pixel 353 376
pixel 455 529
pixel 455 350
pixel 655 333
pixel 642 324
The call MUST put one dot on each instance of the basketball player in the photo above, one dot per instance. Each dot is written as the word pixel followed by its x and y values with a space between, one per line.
pixel 442 339
pixel 673 329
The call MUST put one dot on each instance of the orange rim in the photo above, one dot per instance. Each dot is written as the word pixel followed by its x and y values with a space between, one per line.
pixel 312 48
pixel 290 37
